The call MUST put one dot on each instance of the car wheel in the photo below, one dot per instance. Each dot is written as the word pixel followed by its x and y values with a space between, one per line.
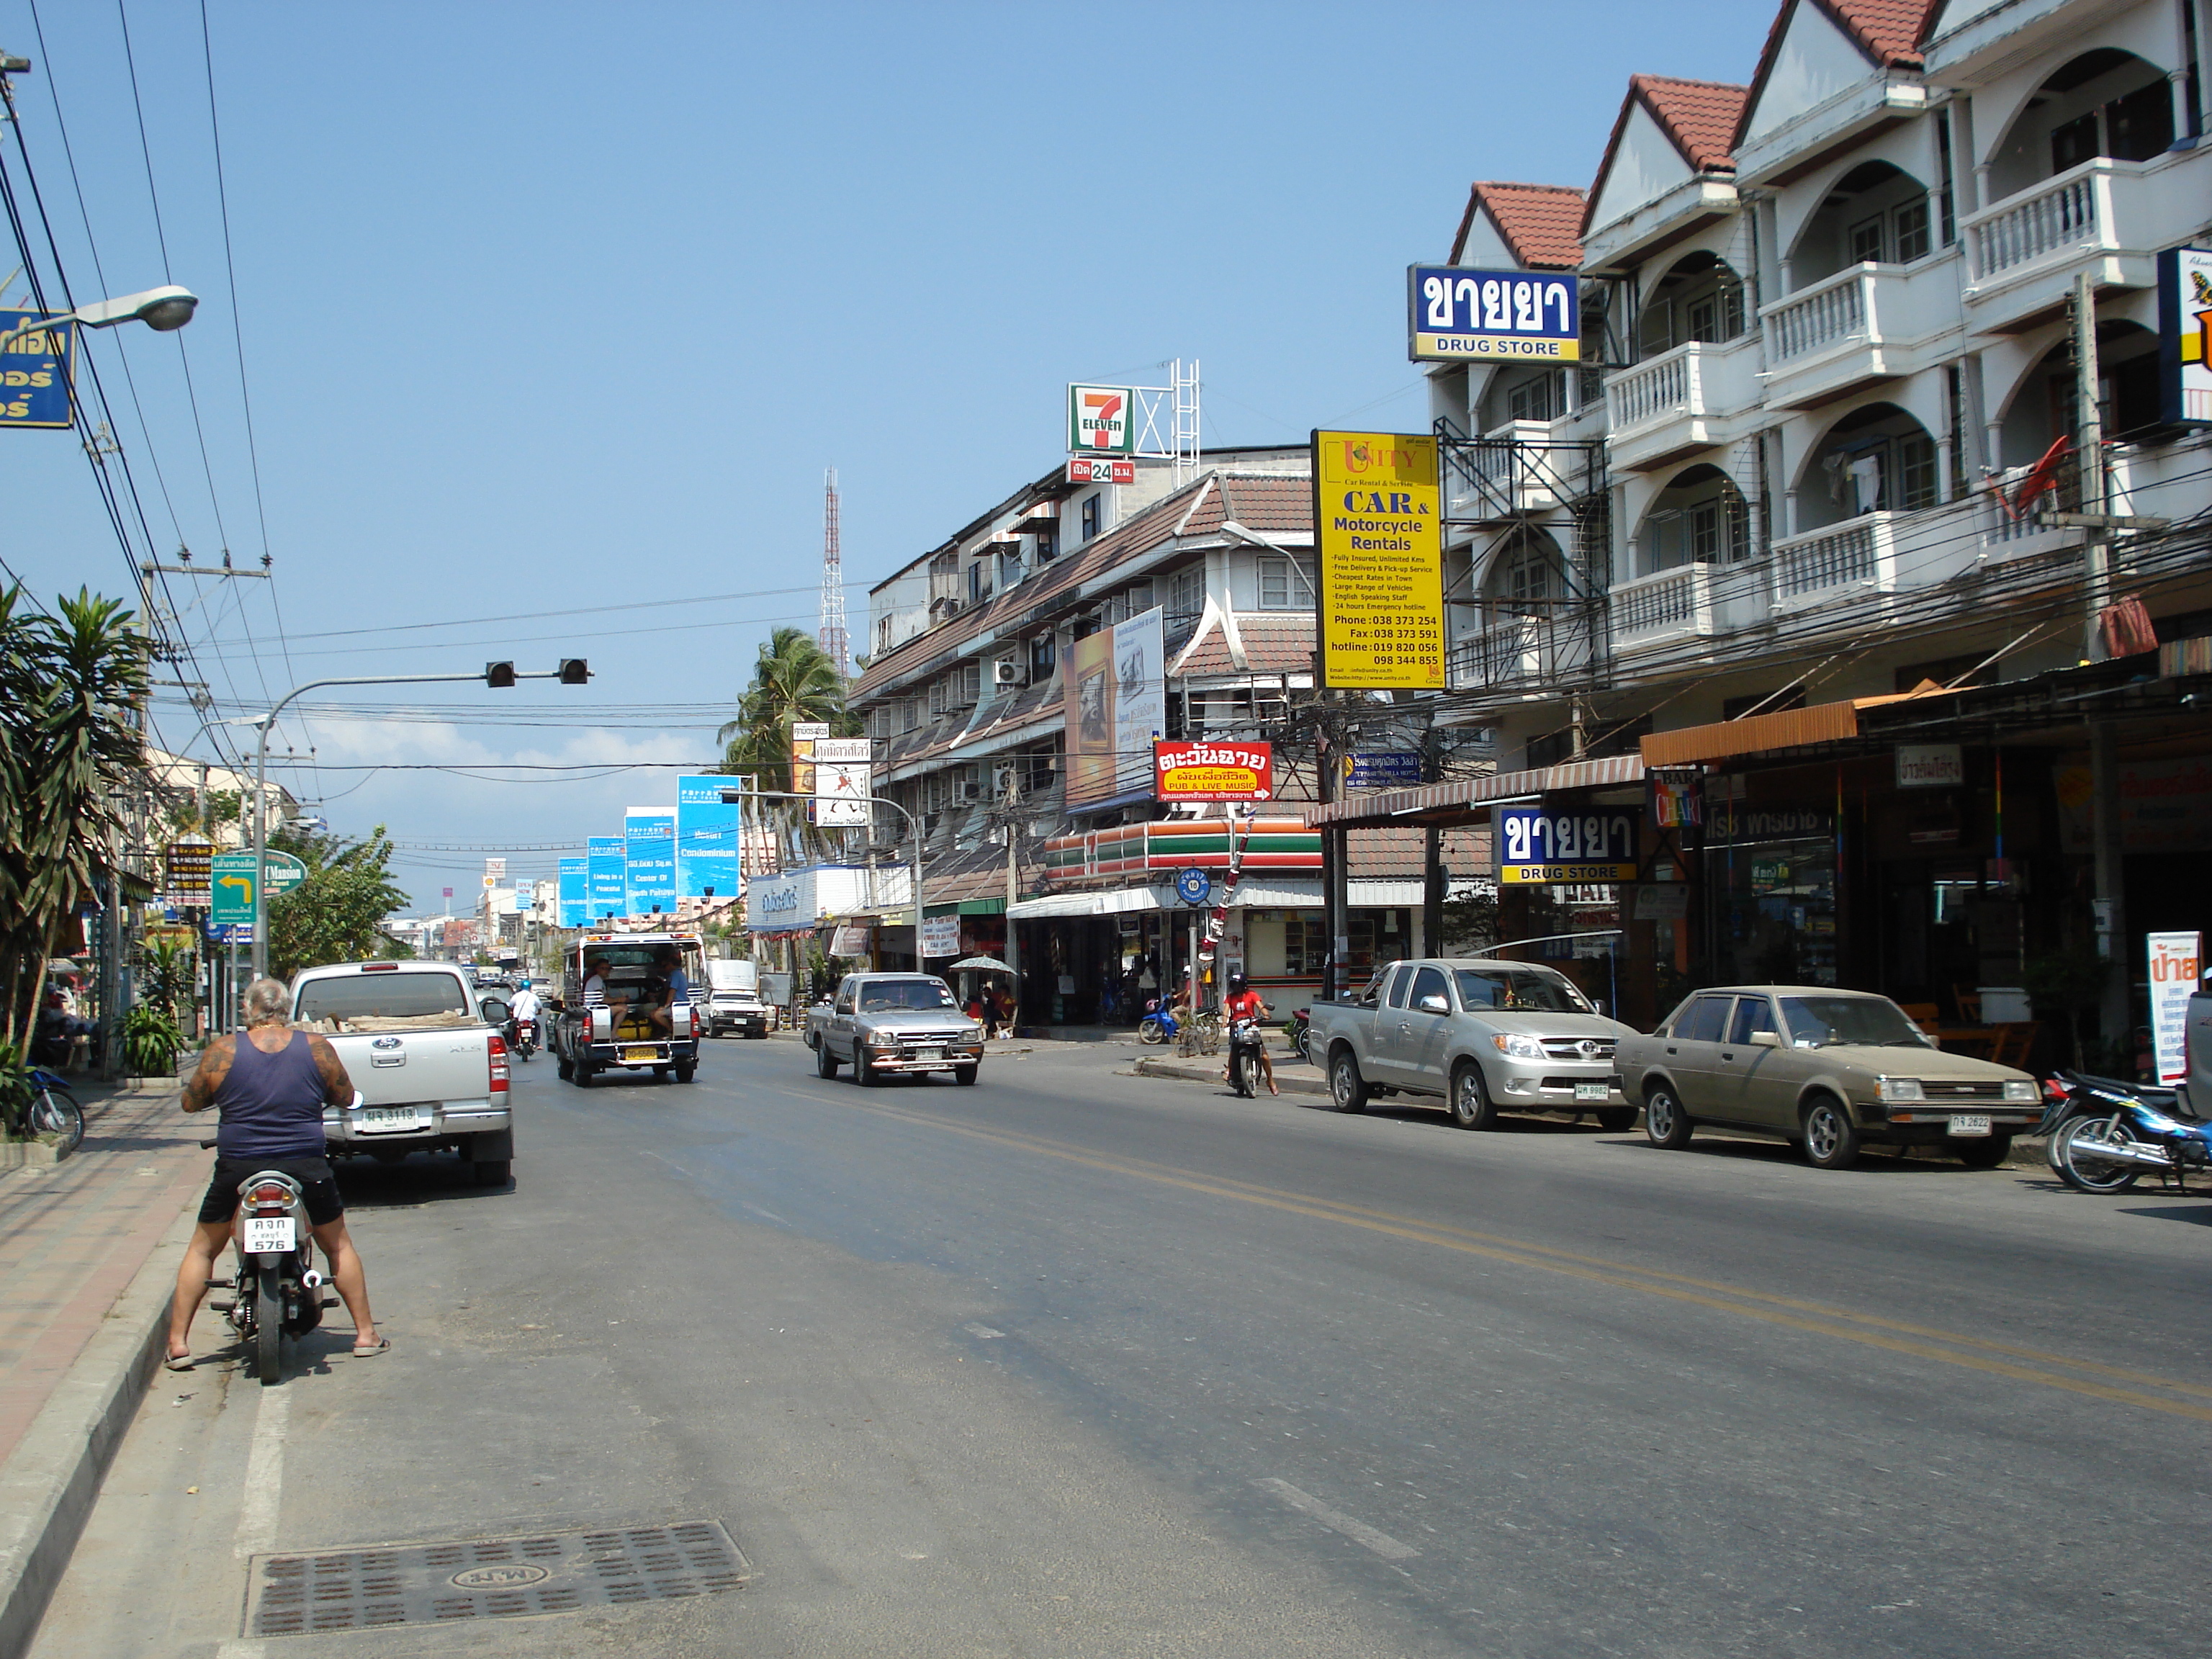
pixel 1613 1119
pixel 564 1066
pixel 685 1074
pixel 1347 1090
pixel 583 1077
pixel 493 1172
pixel 1666 1124
pixel 965 1075
pixel 863 1073
pixel 1983 1152
pixel 1832 1139
pixel 825 1063
pixel 1471 1105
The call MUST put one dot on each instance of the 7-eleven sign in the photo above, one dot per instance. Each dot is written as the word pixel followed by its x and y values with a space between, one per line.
pixel 1099 420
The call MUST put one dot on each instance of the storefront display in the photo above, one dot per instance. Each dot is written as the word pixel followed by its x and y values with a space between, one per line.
pixel 1771 881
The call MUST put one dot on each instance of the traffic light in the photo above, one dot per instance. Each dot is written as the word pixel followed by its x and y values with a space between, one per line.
pixel 575 671
pixel 499 674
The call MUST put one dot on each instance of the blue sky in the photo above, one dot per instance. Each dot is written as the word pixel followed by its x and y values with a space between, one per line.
pixel 550 308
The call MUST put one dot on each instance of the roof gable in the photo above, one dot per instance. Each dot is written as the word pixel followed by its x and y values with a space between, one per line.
pixel 1818 48
pixel 1539 225
pixel 1696 120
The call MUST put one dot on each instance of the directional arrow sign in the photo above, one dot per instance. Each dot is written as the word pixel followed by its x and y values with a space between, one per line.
pixel 231 905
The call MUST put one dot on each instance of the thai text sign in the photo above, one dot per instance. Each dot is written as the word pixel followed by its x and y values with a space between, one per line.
pixel 1454 315
pixel 189 868
pixel 232 904
pixel 1099 420
pixel 1382 769
pixel 1539 845
pixel 1213 771
pixel 573 911
pixel 804 734
pixel 1930 766
pixel 1377 522
pixel 2185 330
pixel 2177 963
pixel 940 936
pixel 34 388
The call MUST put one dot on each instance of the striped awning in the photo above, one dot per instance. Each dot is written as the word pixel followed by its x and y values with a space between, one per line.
pixel 1429 801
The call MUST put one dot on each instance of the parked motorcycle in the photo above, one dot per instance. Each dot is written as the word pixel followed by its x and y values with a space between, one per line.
pixel 1244 1041
pixel 1302 1034
pixel 43 1105
pixel 1159 1025
pixel 2105 1134
pixel 279 1291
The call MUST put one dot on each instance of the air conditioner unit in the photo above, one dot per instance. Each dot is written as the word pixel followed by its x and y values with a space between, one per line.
pixel 970 790
pixel 1008 671
pixel 1002 781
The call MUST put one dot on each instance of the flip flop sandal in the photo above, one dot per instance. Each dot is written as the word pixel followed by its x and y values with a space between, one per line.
pixel 383 1344
pixel 178 1362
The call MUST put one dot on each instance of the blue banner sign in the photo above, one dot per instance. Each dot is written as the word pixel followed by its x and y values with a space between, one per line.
pixel 607 890
pixel 650 834
pixel 575 907
pixel 1456 315
pixel 707 829
pixel 1384 769
pixel 1579 844
pixel 34 386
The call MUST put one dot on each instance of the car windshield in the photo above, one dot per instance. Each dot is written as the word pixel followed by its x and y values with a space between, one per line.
pixel 1537 989
pixel 1866 1021
pixel 878 995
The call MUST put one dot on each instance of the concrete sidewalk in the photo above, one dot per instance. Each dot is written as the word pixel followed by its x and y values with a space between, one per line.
pixel 87 1251
pixel 1293 1075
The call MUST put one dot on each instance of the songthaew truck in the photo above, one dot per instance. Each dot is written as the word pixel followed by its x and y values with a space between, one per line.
pixel 622 1007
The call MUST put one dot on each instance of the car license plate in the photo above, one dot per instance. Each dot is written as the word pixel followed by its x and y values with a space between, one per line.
pixel 1593 1092
pixel 640 1051
pixel 928 1054
pixel 383 1119
pixel 268 1234
pixel 1969 1123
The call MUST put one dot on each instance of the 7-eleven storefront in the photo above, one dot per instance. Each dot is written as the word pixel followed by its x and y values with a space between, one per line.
pixel 1115 932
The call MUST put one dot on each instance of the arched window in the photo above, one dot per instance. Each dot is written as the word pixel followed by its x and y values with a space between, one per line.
pixel 1875 214
pixel 1875 460
pixel 1700 298
pixel 1701 518
pixel 1525 576
pixel 2105 102
pixel 2128 406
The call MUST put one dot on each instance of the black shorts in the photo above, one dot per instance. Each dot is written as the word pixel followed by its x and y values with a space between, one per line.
pixel 317 1186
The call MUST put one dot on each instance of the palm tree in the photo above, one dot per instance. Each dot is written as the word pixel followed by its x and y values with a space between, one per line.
pixel 71 684
pixel 793 680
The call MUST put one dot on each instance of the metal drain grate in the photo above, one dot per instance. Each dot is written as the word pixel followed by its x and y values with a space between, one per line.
pixel 490 1579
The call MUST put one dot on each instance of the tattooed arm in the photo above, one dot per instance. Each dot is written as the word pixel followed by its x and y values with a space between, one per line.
pixel 199 1092
pixel 337 1087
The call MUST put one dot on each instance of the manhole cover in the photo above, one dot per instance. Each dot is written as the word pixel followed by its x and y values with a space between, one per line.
pixel 490 1579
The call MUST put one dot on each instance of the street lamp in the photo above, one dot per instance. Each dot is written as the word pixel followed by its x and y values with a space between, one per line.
pixel 733 797
pixel 573 670
pixel 161 309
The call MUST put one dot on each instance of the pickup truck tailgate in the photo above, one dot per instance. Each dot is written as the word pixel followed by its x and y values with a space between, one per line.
pixel 401 1068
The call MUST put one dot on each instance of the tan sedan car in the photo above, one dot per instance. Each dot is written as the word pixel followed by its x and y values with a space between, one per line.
pixel 1829 1070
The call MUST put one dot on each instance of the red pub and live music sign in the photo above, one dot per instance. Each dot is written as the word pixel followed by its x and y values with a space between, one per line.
pixel 1213 771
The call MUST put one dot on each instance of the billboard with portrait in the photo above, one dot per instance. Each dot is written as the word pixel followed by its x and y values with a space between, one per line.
pixel 1117 706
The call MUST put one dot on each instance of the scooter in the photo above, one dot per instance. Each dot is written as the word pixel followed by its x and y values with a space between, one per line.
pixel 1302 1034
pixel 1244 1044
pixel 273 1256
pixel 2105 1134
pixel 525 1037
pixel 1159 1025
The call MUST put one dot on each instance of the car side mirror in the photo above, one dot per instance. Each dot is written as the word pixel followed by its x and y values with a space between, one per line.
pixel 1433 1004
pixel 1765 1039
pixel 494 1011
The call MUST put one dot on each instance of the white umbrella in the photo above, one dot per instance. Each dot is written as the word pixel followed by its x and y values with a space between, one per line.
pixel 986 964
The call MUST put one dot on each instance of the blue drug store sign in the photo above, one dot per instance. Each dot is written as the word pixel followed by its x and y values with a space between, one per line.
pixel 706 837
pixel 34 386
pixel 1539 845
pixel 1386 769
pixel 650 833
pixel 574 909
pixel 606 884
pixel 1456 315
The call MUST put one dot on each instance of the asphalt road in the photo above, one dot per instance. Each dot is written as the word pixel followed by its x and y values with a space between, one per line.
pixel 1074 1363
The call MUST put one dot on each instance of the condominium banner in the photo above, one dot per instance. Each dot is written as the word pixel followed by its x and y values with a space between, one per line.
pixel 649 835
pixel 575 903
pixel 606 882
pixel 1117 706
pixel 1379 519
pixel 707 837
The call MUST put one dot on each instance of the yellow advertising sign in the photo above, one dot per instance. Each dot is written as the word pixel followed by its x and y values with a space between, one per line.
pixel 1378 523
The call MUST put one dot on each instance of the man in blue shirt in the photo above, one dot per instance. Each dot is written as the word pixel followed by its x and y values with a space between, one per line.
pixel 668 963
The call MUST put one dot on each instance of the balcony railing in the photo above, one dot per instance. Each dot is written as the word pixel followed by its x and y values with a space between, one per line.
pixel 1667 406
pixel 2073 210
pixel 1858 553
pixel 1505 653
pixel 1670 602
pixel 1829 314
pixel 1665 385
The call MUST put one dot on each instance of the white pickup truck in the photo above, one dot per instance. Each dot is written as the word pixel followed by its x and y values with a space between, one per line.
pixel 430 1070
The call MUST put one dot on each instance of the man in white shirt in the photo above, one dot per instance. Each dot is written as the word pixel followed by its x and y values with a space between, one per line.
pixel 524 1004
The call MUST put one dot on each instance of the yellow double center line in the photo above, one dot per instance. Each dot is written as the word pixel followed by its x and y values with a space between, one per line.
pixel 1818 1319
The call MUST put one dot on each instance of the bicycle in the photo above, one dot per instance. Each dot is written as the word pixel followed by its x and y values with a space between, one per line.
pixel 1200 1034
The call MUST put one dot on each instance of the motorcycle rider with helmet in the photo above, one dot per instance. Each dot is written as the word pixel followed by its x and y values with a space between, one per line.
pixel 1244 1003
pixel 522 1008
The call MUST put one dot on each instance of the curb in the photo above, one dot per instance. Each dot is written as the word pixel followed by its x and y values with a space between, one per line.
pixel 52 1482
pixel 1200 1071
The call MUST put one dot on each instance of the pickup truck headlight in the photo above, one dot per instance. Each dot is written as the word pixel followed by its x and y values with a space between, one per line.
pixel 2021 1090
pixel 1900 1088
pixel 1515 1046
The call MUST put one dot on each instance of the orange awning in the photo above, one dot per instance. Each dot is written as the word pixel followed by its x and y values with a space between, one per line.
pixel 1785 728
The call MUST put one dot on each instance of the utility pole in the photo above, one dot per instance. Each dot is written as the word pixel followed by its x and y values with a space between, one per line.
pixel 2108 904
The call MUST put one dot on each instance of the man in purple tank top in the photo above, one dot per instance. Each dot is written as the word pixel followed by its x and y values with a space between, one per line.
pixel 270 1084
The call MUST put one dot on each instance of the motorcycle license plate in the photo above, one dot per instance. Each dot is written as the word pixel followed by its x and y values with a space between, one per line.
pixel 268 1235
pixel 1598 1091
pixel 1969 1123
pixel 640 1052
pixel 384 1120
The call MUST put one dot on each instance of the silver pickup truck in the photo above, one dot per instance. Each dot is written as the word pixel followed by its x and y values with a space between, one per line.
pixel 429 1070
pixel 1488 1036
pixel 889 1025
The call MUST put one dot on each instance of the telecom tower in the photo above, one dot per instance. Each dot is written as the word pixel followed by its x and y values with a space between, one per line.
pixel 831 635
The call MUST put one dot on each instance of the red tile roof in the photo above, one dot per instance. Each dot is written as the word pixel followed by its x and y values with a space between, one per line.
pixel 1700 117
pixel 1541 223
pixel 1888 31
